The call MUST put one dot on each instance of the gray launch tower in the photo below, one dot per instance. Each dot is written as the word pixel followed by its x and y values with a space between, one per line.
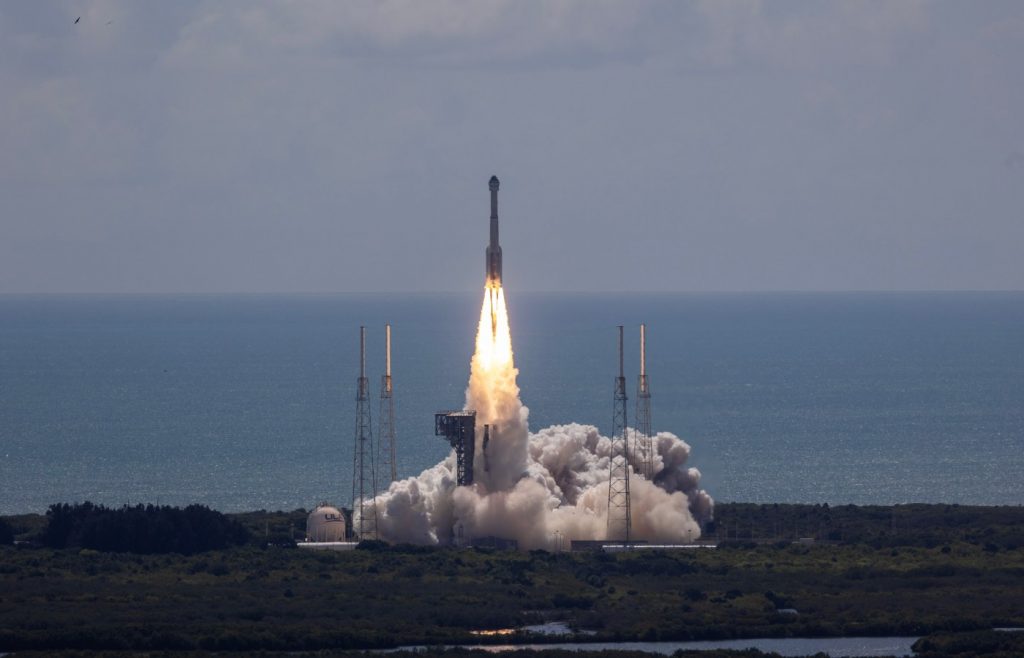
pixel 619 519
pixel 644 444
pixel 459 427
pixel 493 251
pixel 364 493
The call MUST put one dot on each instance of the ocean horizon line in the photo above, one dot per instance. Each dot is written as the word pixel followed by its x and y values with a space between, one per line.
pixel 426 293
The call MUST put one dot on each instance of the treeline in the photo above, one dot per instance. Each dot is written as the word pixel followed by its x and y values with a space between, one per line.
pixel 141 529
pixel 978 643
pixel 149 529
pixel 924 525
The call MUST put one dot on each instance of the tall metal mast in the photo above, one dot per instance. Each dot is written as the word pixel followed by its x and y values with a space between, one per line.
pixel 387 418
pixel 363 492
pixel 644 444
pixel 618 477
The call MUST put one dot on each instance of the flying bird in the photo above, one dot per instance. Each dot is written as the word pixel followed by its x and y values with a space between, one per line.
pixel 78 19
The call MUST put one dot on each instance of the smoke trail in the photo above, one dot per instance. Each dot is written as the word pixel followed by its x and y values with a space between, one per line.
pixel 529 487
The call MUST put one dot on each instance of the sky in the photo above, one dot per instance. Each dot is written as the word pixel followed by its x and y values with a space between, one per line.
pixel 322 146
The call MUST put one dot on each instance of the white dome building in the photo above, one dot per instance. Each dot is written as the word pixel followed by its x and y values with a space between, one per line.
pixel 325 524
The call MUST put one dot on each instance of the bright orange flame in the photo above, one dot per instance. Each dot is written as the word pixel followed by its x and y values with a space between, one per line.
pixel 492 393
pixel 493 338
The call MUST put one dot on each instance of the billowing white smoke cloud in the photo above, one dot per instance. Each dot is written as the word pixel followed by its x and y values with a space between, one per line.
pixel 528 487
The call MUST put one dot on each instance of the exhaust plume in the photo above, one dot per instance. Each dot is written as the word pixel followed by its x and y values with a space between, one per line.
pixel 528 487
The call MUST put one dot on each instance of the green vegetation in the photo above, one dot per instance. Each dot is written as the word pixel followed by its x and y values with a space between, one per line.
pixel 266 596
pixel 274 528
pixel 926 526
pixel 141 529
pixel 994 644
pixel 26 527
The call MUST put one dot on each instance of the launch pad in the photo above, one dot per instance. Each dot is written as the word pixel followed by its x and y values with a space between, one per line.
pixel 474 502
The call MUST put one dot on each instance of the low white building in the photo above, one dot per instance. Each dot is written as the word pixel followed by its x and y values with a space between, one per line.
pixel 325 524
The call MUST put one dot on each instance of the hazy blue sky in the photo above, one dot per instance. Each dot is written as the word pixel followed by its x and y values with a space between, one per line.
pixel 197 146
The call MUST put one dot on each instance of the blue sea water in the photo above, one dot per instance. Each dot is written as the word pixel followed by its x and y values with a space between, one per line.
pixel 247 402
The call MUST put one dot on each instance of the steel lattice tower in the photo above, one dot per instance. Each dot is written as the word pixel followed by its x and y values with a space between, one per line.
pixel 386 420
pixel 644 444
pixel 362 456
pixel 618 464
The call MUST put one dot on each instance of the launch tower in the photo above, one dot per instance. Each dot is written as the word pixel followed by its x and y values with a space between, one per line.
pixel 459 427
pixel 644 444
pixel 364 492
pixel 618 476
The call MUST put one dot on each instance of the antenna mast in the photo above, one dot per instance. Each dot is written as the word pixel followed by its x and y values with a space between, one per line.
pixel 388 464
pixel 644 445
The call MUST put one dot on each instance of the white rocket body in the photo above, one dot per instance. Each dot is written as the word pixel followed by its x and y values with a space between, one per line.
pixel 493 251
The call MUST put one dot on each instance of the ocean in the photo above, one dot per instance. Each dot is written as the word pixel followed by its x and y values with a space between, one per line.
pixel 245 402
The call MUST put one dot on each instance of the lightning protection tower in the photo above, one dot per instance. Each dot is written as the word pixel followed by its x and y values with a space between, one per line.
pixel 644 444
pixel 386 429
pixel 364 477
pixel 618 464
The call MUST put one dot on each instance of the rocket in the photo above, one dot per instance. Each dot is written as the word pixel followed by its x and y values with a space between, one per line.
pixel 493 251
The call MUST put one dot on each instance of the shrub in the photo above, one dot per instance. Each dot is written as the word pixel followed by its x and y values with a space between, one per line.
pixel 565 601
pixel 373 545
pixel 694 594
pixel 220 569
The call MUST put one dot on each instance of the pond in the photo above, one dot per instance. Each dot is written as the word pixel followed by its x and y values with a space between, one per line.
pixel 792 646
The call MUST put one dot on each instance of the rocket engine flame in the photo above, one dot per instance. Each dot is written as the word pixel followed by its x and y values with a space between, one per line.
pixel 493 337
pixel 494 395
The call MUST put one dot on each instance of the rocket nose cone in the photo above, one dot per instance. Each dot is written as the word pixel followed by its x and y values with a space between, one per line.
pixel 494 184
